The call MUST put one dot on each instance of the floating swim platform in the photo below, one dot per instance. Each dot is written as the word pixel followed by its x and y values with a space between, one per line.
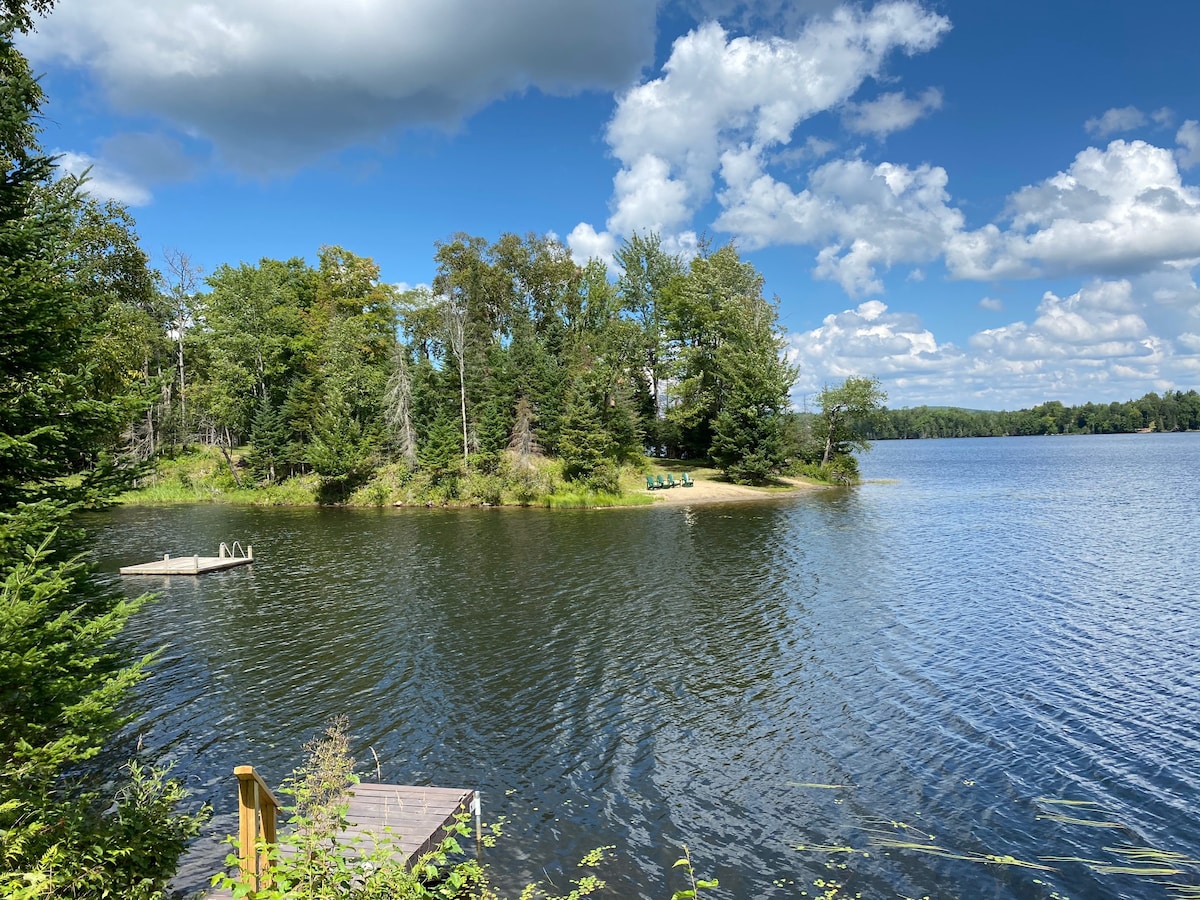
pixel 194 565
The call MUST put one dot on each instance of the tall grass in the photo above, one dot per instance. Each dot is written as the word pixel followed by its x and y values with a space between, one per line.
pixel 201 475
pixel 594 500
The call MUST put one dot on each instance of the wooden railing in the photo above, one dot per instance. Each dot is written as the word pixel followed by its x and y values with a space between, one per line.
pixel 257 812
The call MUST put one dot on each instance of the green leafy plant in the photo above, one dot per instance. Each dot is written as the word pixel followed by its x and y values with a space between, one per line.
pixel 583 886
pixel 695 884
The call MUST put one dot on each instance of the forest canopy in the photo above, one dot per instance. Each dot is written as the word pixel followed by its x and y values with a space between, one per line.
pixel 514 352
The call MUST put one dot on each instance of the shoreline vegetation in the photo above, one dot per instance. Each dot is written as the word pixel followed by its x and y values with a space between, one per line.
pixel 203 475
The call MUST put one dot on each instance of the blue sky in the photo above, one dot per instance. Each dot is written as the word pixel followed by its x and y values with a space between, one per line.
pixel 983 203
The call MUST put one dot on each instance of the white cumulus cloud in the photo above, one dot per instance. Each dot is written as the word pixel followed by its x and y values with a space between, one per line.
pixel 867 216
pixel 1112 338
pixel 1188 139
pixel 1098 342
pixel 1121 210
pixel 1114 121
pixel 585 244
pixel 744 95
pixel 1100 321
pixel 277 83
pixel 103 182
pixel 890 112
pixel 870 340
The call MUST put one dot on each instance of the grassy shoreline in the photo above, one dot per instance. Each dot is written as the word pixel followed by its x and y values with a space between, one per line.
pixel 201 475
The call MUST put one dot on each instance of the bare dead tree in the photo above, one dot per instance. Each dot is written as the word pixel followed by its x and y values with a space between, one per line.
pixel 454 322
pixel 398 407
pixel 523 441
pixel 181 284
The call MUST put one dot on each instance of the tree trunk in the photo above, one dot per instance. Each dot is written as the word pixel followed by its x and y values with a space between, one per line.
pixel 462 390
pixel 182 390
pixel 454 319
pixel 229 458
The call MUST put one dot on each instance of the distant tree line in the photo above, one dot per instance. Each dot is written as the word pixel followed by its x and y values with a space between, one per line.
pixel 1169 411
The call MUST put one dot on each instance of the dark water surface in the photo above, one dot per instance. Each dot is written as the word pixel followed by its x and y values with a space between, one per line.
pixel 1000 624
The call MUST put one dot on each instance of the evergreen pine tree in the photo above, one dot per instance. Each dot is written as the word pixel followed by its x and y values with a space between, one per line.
pixel 269 440
pixel 64 826
pixel 583 442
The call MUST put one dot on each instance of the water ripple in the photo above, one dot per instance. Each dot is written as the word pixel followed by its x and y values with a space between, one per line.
pixel 955 649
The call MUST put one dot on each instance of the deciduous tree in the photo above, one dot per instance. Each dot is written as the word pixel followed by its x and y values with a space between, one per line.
pixel 855 399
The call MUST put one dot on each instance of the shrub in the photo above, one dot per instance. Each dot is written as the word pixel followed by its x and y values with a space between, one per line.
pixel 842 470
pixel 483 488
pixel 604 479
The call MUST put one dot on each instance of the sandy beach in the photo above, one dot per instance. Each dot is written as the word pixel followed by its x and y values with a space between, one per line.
pixel 707 491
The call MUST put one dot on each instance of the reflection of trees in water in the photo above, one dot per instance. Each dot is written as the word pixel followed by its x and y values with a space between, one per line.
pixel 634 676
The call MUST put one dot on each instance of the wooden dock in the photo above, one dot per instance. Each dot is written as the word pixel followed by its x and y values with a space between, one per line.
pixel 414 819
pixel 408 820
pixel 194 565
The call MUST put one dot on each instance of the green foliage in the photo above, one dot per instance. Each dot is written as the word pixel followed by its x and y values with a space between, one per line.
pixel 605 479
pixel 200 475
pixel 317 856
pixel 748 440
pixel 484 488
pixel 733 382
pixel 1169 411
pixel 60 686
pixel 128 850
pixel 648 277
pixel 516 348
pixel 441 451
pixel 18 14
pixel 582 887
pixel 588 499
pixel 841 470
pixel 58 682
pixel 582 442
pixel 339 449
pixel 67 827
pixel 696 885
pixel 855 400
pixel 270 438
pixel 56 416
pixel 250 332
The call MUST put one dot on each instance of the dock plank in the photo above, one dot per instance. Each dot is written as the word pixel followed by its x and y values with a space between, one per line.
pixel 186 565
pixel 414 818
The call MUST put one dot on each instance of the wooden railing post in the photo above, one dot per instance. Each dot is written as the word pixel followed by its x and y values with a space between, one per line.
pixel 257 808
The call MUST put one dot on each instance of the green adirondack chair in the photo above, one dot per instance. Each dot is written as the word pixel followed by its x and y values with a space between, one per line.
pixel 671 482
pixel 687 480
pixel 650 485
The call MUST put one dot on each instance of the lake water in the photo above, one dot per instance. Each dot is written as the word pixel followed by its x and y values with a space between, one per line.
pixel 991 627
